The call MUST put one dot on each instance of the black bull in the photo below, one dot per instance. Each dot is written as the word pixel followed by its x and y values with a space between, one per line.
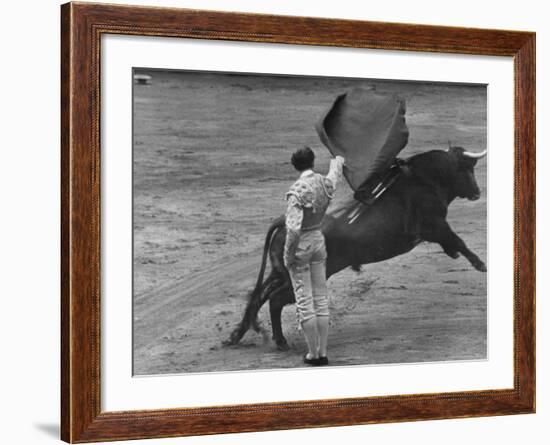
pixel 413 210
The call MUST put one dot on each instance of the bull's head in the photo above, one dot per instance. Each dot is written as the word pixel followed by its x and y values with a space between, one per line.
pixel 464 181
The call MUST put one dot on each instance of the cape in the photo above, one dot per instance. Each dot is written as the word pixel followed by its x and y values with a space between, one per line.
pixel 368 129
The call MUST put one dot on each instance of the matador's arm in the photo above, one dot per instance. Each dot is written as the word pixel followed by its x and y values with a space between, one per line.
pixel 293 222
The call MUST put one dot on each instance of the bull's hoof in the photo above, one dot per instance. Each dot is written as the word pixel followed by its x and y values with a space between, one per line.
pixel 481 266
pixel 234 338
pixel 282 345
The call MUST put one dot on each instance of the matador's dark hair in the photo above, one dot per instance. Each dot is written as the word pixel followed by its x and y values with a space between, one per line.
pixel 303 159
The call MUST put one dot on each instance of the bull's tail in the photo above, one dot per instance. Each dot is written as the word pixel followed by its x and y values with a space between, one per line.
pixel 254 297
pixel 277 224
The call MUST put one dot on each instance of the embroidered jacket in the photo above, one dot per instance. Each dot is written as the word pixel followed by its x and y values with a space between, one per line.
pixel 308 199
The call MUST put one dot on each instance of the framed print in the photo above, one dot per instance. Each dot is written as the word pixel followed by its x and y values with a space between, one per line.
pixel 274 222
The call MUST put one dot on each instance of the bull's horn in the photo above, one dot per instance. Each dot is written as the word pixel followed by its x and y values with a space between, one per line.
pixel 479 155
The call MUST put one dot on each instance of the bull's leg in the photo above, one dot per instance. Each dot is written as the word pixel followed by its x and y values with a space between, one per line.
pixel 251 311
pixel 279 300
pixel 240 329
pixel 275 310
pixel 452 244
pixel 271 286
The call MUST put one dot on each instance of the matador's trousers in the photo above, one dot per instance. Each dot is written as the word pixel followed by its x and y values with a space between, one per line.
pixel 308 275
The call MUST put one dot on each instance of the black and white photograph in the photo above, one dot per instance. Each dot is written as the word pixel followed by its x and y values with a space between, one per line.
pixel 284 221
pixel 292 221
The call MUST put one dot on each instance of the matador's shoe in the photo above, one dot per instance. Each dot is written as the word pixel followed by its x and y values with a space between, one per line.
pixel 311 361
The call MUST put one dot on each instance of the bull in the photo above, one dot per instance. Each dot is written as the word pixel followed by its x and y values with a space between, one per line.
pixel 413 210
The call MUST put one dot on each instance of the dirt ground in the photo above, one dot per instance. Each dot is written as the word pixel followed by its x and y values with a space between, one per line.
pixel 211 166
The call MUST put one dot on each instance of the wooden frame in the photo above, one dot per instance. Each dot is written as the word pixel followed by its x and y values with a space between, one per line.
pixel 82 26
